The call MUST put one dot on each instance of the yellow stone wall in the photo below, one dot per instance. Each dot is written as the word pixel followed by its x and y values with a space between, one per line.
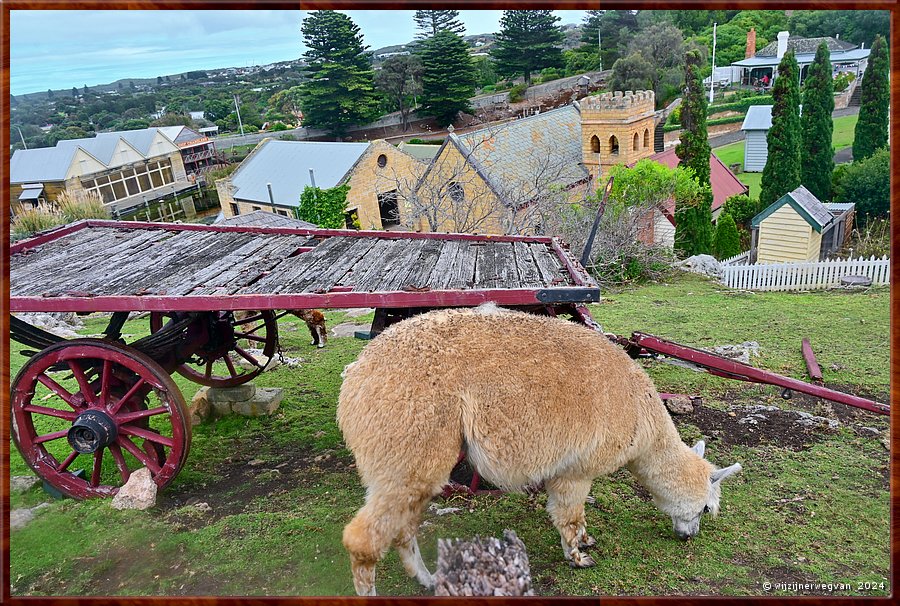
pixel 620 115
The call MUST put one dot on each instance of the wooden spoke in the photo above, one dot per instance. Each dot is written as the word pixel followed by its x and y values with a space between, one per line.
pixel 58 390
pixel 231 369
pixel 50 412
pixel 104 382
pixel 249 337
pixel 247 356
pixel 98 465
pixel 147 435
pixel 116 452
pixel 86 390
pixel 115 407
pixel 209 369
pixel 130 417
pixel 68 461
pixel 47 437
pixel 138 454
pixel 248 319
pixel 254 329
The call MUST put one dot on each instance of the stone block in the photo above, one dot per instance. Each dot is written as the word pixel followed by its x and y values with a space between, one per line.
pixel 139 492
pixel 264 402
pixel 241 393
pixel 200 408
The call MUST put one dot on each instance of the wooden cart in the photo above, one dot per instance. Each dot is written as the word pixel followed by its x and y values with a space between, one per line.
pixel 87 412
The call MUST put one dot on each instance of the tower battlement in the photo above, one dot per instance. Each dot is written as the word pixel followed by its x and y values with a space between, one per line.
pixel 619 104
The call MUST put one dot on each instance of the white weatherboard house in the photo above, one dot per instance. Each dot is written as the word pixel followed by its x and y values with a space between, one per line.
pixel 756 127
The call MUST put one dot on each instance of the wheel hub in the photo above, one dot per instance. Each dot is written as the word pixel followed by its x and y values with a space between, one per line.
pixel 91 431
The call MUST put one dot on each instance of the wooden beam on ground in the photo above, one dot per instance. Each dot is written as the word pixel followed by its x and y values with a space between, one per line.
pixel 812 367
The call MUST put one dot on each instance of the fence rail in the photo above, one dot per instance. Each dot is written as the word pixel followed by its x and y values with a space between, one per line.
pixel 804 276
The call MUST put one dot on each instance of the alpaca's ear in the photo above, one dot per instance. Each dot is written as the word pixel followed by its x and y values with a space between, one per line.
pixel 699 448
pixel 720 474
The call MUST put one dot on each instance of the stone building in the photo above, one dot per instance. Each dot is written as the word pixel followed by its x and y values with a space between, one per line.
pixel 616 128
pixel 274 175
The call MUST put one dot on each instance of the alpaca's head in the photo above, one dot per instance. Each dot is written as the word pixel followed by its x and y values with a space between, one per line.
pixel 699 487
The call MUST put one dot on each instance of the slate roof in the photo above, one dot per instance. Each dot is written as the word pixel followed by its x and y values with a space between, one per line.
pixel 262 218
pixel 802 45
pixel 52 163
pixel 724 183
pixel 805 203
pixel 511 154
pixel 286 164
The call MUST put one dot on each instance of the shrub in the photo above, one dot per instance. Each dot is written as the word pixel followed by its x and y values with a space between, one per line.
pixel 741 105
pixel 31 221
pixel 867 183
pixel 873 240
pixel 842 81
pixel 742 209
pixel 726 242
pixel 550 73
pixel 78 207
pixel 324 207
pixel 517 93
pixel 279 126
pixel 488 89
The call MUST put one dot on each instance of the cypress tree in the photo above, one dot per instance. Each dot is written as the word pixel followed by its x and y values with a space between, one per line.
pixel 693 228
pixel 727 241
pixel 341 88
pixel 528 41
pixel 448 77
pixel 782 171
pixel 872 127
pixel 816 126
pixel 431 22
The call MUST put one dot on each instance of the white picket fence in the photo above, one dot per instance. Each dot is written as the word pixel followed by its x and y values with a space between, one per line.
pixel 805 276
pixel 740 259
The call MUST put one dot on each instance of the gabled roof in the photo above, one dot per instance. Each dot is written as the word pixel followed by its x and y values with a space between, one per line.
pixel 286 164
pixel 759 117
pixel 802 45
pixel 724 183
pixel 848 56
pixel 804 203
pixel 52 163
pixel 513 154
pixel 263 218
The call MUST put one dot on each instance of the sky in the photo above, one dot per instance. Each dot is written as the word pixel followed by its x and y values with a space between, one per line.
pixel 62 49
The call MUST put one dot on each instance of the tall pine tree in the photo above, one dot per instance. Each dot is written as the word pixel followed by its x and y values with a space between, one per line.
pixel 341 90
pixel 817 126
pixel 782 171
pixel 693 227
pixel 528 41
pixel 872 127
pixel 448 77
pixel 431 22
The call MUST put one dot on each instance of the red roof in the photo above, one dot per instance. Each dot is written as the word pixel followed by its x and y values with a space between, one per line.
pixel 724 183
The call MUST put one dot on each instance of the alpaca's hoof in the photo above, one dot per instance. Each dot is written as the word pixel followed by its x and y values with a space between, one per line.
pixel 320 345
pixel 582 561
pixel 426 581
pixel 588 541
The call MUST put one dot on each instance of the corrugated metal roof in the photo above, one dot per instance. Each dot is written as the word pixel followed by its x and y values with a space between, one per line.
pixel 811 205
pixel 286 164
pixel 855 54
pixel 724 183
pixel 511 154
pixel 262 218
pixel 838 207
pixel 759 117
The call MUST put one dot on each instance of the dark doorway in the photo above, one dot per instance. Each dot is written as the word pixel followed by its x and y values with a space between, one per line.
pixel 387 206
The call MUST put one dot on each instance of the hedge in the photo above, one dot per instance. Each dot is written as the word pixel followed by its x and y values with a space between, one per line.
pixel 730 119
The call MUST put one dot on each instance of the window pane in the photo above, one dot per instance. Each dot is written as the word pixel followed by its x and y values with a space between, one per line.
pixel 103 179
pixel 132 185
pixel 119 190
pixel 167 175
pixel 144 180
pixel 106 192
pixel 156 178
pixel 89 184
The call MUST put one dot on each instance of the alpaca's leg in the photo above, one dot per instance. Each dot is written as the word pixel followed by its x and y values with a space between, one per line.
pixel 367 538
pixel 565 504
pixel 313 332
pixel 320 335
pixel 408 548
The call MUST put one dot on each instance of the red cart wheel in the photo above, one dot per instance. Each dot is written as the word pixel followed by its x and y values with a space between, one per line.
pixel 230 340
pixel 101 406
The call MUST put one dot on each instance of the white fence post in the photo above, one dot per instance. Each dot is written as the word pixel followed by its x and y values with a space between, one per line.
pixel 805 275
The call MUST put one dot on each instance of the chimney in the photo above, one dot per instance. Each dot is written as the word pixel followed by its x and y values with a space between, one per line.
pixel 751 44
pixel 782 44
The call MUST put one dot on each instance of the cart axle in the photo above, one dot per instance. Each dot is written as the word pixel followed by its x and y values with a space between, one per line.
pixel 91 431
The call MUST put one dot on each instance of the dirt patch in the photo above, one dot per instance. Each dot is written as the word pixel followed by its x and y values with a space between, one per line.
pixel 755 425
pixel 241 481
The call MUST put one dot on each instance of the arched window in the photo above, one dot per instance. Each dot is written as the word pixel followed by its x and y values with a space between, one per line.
pixel 636 144
pixel 646 138
pixel 595 144
pixel 614 146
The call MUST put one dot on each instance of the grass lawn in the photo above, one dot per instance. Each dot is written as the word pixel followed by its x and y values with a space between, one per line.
pixel 812 504
pixel 733 153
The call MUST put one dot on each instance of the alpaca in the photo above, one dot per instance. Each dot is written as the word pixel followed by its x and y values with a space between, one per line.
pixel 315 321
pixel 530 399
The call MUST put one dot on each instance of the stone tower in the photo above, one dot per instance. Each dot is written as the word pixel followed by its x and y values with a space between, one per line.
pixel 616 128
